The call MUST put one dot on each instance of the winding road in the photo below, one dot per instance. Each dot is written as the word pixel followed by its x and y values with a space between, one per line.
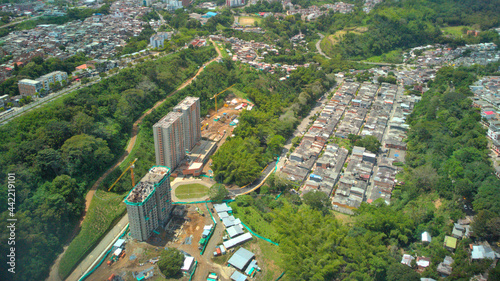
pixel 318 47
pixel 54 276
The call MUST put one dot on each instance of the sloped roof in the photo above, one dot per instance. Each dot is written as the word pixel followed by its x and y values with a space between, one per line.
pixel 450 242
pixel 241 258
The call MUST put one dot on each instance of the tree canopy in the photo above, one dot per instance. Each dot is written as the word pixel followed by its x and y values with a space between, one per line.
pixel 170 263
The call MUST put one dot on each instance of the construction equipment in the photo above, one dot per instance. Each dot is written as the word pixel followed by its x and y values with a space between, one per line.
pixel 215 96
pixel 131 167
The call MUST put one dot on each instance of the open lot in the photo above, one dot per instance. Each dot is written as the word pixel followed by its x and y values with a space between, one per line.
pixel 244 21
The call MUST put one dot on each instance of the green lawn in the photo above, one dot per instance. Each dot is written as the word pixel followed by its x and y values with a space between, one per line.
pixel 270 257
pixel 189 191
pixel 258 222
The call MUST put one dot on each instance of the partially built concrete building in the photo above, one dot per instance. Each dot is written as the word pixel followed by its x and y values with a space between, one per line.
pixel 149 203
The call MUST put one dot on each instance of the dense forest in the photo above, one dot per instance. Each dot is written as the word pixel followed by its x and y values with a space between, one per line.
pixel 447 161
pixel 58 151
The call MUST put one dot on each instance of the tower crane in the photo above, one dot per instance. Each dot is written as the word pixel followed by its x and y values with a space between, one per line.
pixel 131 168
pixel 215 96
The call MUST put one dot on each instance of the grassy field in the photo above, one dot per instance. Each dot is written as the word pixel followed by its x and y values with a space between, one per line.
pixel 331 40
pixel 454 30
pixel 239 93
pixel 255 221
pixel 395 56
pixel 345 219
pixel 249 20
pixel 223 52
pixel 103 211
pixel 268 255
pixel 337 36
pixel 345 143
pixel 189 191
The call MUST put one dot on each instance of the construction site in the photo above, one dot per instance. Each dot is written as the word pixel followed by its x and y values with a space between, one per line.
pixel 191 229
pixel 136 260
pixel 220 124
pixel 224 120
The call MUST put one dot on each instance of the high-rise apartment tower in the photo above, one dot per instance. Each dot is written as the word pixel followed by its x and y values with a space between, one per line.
pixel 149 203
pixel 169 140
pixel 190 109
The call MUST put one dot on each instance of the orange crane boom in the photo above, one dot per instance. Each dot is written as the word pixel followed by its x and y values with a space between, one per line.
pixel 215 96
pixel 131 167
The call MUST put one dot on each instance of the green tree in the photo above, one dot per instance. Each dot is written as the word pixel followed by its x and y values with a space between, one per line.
pixel 486 225
pixel 85 154
pixel 275 144
pixel 82 123
pixel 398 272
pixel 494 274
pixel 67 187
pixel 242 169
pixel 170 262
pixel 353 138
pixel 279 182
pixel 218 192
pixel 371 143
pixel 317 200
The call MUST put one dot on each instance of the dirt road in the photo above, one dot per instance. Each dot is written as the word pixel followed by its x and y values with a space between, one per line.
pixel 54 271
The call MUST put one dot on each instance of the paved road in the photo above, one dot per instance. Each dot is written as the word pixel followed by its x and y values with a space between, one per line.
pixel 301 128
pixel 42 101
pixel 18 111
pixel 318 46
pixel 255 184
pixel 273 165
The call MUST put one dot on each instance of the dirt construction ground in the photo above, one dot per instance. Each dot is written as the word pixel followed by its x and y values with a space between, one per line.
pixel 187 224
pixel 215 129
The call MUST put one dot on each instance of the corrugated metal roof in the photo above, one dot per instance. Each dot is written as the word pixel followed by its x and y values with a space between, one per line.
pixel 237 276
pixel 241 258
pixel 235 241
pixel 219 208
pixel 234 231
